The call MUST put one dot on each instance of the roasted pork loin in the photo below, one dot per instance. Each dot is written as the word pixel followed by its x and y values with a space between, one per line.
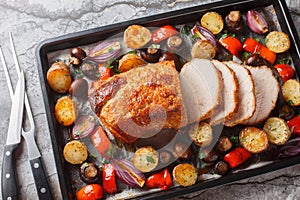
pixel 139 103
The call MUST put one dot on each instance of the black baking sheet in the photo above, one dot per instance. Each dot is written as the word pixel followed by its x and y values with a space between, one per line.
pixel 175 17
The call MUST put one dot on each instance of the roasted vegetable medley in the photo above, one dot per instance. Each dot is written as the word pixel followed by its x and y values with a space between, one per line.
pixel 249 110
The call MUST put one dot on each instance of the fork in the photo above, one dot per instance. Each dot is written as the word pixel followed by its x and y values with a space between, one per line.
pixel 34 155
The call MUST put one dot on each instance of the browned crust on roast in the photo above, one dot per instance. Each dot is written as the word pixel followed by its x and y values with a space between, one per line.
pixel 139 102
pixel 236 97
pixel 101 91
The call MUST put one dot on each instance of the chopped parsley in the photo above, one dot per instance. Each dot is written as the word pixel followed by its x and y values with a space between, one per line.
pixel 150 159
pixel 235 140
pixel 290 102
pixel 285 61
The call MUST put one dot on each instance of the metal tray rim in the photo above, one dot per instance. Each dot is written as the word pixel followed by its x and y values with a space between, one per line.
pixel 42 49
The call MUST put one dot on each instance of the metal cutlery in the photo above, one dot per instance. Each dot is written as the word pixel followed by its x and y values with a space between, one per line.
pixel 34 155
pixel 9 178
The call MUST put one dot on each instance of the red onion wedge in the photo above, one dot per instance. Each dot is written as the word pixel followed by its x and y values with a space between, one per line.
pixel 256 22
pixel 83 126
pixel 290 148
pixel 127 173
pixel 199 32
pixel 105 51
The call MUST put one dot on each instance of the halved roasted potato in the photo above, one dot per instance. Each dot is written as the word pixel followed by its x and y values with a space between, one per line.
pixel 291 92
pixel 277 130
pixel 130 61
pixel 201 134
pixel 145 159
pixel 75 152
pixel 212 21
pixel 253 139
pixel 137 36
pixel 185 174
pixel 59 77
pixel 278 41
pixel 66 110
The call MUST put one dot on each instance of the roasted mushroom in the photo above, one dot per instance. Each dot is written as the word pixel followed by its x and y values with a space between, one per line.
pixel 221 168
pixel 233 21
pixel 151 54
pixel 79 88
pixel 170 56
pixel 224 144
pixel 254 60
pixel 211 157
pixel 175 43
pixel 89 70
pixel 182 150
pixel 78 53
pixel 89 172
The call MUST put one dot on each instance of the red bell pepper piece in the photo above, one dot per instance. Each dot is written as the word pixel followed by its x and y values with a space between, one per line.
pixel 253 46
pixel 90 192
pixel 285 71
pixel 101 142
pixel 109 179
pixel 232 44
pixel 294 125
pixel 160 180
pixel 237 156
pixel 104 72
pixel 163 33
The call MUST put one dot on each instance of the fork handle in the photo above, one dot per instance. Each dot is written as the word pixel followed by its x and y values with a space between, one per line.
pixel 40 179
pixel 9 179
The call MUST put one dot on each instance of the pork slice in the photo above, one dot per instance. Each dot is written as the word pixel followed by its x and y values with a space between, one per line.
pixel 201 86
pixel 229 104
pixel 266 93
pixel 246 95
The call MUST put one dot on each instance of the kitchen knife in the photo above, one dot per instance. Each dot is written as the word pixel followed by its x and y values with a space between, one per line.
pixel 9 178
pixel 39 175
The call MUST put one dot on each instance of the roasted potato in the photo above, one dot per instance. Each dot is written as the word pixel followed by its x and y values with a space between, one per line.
pixel 278 42
pixel 145 159
pixel 203 49
pixel 59 77
pixel 66 110
pixel 185 174
pixel 253 139
pixel 75 152
pixel 213 22
pixel 291 92
pixel 201 134
pixel 130 61
pixel 137 36
pixel 277 130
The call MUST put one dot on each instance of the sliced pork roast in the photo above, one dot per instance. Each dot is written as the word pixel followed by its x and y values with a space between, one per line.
pixel 266 93
pixel 201 86
pixel 246 95
pixel 140 102
pixel 229 104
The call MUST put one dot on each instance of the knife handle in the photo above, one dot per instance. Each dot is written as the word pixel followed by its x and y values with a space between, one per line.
pixel 9 177
pixel 40 178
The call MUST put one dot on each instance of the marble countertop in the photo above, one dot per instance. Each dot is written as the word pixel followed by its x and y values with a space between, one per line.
pixel 32 21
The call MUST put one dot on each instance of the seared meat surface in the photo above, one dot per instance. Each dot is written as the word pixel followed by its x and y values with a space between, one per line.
pixel 139 103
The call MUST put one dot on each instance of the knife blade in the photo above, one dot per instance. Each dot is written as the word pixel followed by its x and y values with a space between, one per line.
pixel 9 178
pixel 40 179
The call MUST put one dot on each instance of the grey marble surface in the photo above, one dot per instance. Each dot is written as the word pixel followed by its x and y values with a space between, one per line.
pixel 32 21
